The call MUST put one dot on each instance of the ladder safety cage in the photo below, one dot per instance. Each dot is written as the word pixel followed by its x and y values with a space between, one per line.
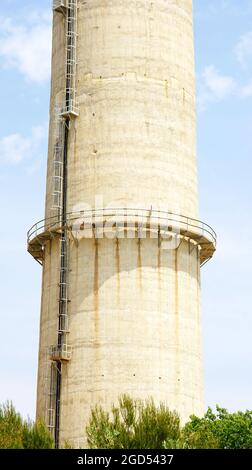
pixel 63 324
pixel 51 420
pixel 63 285
pixel 62 351
pixel 71 109
pixel 58 151
pixel 51 407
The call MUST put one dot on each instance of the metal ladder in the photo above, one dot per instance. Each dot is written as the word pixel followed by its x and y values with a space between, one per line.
pixel 57 179
pixel 60 353
pixel 71 109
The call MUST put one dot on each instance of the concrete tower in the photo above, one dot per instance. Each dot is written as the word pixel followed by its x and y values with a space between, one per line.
pixel 121 244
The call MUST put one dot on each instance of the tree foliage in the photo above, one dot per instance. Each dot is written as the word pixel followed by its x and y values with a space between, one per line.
pixel 133 424
pixel 16 433
pixel 11 427
pixel 136 424
pixel 221 430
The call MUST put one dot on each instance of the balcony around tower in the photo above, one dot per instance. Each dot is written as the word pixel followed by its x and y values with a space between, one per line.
pixel 158 221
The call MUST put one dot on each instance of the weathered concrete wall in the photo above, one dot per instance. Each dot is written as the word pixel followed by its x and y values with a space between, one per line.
pixel 134 326
pixel 135 308
pixel 134 141
pixel 48 324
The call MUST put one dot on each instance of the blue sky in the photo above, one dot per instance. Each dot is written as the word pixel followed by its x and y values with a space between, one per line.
pixel 223 37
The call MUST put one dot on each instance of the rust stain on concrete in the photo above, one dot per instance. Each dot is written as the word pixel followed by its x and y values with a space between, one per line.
pixel 75 146
pixel 166 89
pixel 139 262
pixel 177 321
pixel 198 286
pixel 50 250
pixel 118 268
pixel 159 261
pixel 75 250
pixel 96 290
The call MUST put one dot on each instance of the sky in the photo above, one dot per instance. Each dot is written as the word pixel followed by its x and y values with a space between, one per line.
pixel 223 44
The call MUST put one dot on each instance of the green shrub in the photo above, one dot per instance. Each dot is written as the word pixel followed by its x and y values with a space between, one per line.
pixel 133 424
pixel 16 433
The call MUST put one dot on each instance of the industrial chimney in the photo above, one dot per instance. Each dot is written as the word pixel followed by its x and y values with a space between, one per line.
pixel 121 245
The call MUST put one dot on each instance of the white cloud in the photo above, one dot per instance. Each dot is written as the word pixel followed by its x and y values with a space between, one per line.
pixel 26 46
pixel 246 91
pixel 218 85
pixel 16 148
pixel 243 48
pixel 214 86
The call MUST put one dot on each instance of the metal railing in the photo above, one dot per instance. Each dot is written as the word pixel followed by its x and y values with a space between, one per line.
pixel 70 109
pixel 60 352
pixel 160 219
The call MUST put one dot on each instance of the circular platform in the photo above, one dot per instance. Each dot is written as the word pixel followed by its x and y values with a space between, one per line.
pixel 142 221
